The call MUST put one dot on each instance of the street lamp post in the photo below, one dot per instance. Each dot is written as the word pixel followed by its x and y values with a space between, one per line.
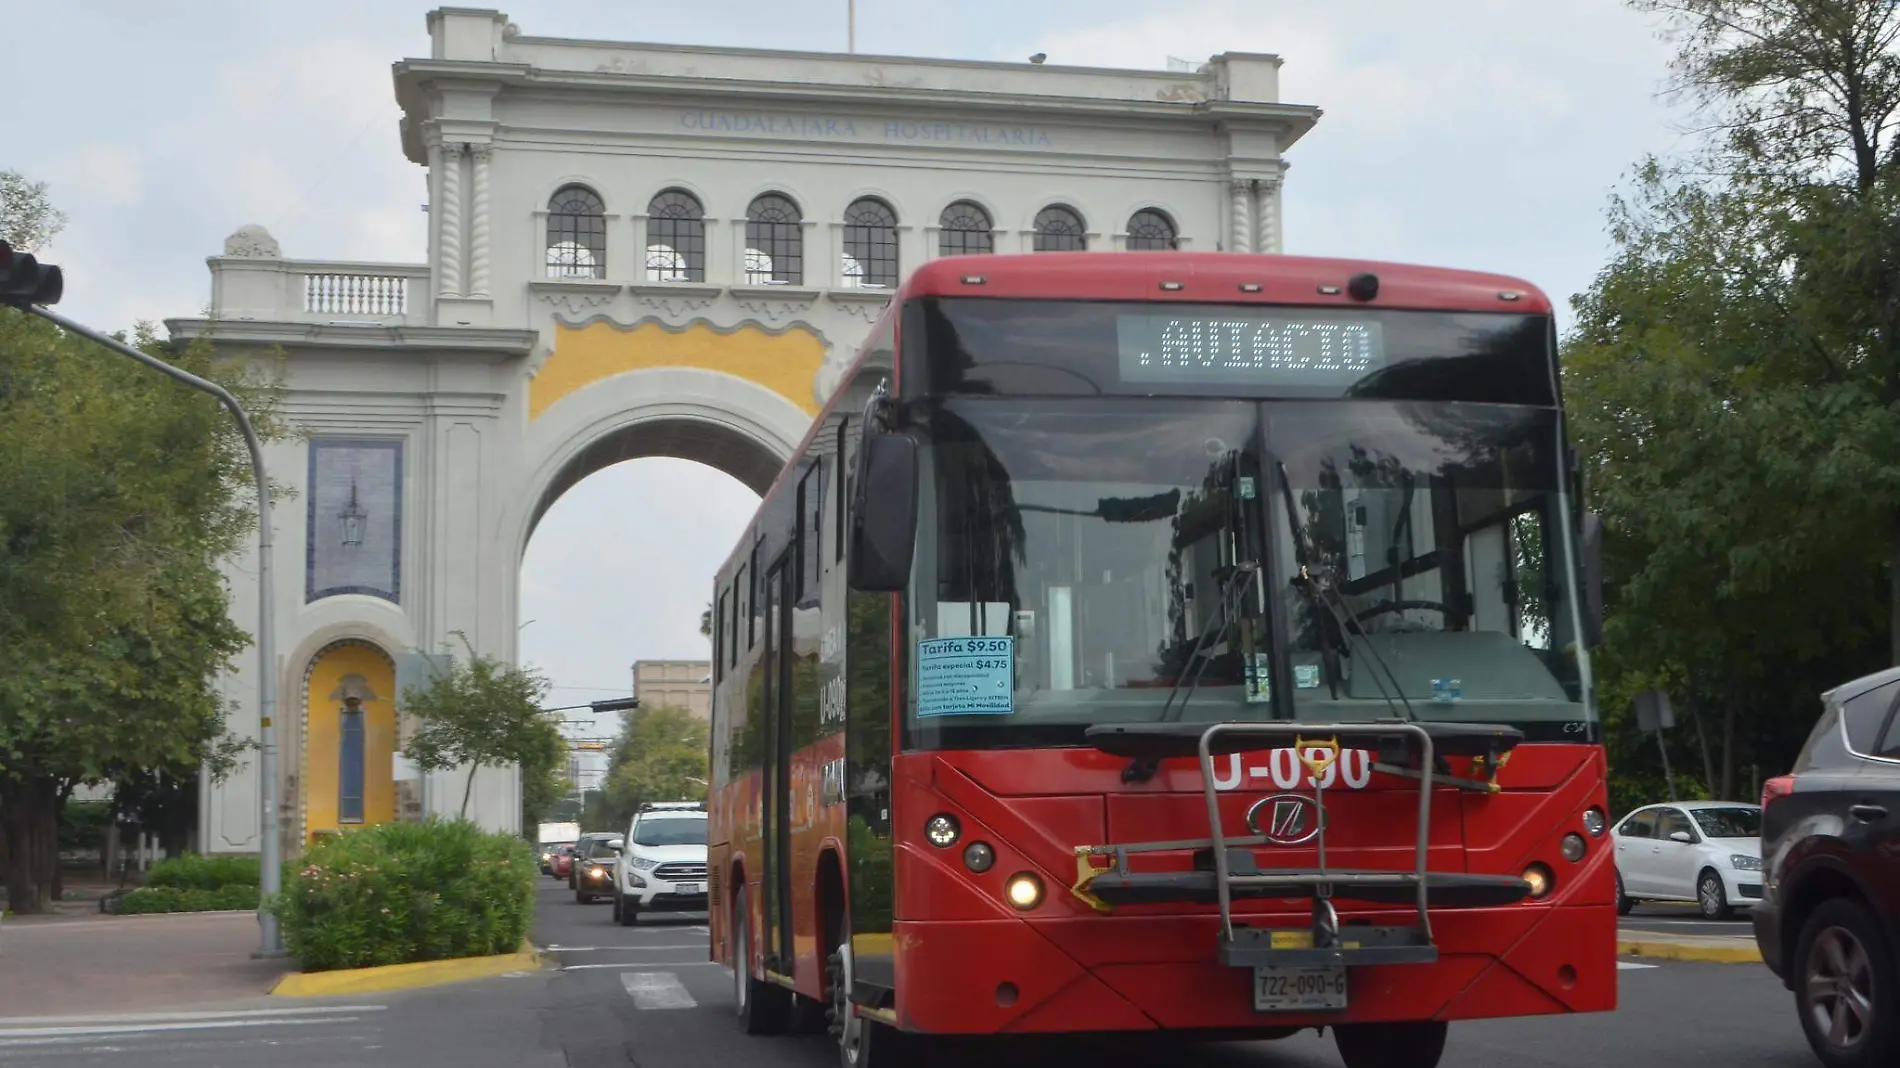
pixel 271 860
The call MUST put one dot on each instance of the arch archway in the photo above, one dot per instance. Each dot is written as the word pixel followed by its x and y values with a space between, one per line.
pixel 347 739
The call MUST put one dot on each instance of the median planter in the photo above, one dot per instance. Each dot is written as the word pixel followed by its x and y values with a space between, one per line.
pixel 406 893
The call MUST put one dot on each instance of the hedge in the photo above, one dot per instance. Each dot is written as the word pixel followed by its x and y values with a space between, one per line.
pixel 396 893
pixel 189 899
pixel 194 872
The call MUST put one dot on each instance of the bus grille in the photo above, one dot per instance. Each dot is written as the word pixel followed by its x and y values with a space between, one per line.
pixel 673 873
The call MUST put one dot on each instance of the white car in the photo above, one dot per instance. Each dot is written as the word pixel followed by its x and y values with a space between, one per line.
pixel 1708 852
pixel 662 862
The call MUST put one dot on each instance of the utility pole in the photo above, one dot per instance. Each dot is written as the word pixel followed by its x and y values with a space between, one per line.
pixel 30 286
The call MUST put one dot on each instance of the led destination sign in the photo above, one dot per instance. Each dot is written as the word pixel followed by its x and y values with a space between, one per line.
pixel 1237 347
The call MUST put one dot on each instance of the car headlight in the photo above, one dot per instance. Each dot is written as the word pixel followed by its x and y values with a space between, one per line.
pixel 643 863
pixel 1744 863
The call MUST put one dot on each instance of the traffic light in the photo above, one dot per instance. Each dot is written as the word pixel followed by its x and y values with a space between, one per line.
pixel 25 280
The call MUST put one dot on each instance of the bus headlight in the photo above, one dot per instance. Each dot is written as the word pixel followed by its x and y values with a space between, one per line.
pixel 1593 822
pixel 942 830
pixel 978 856
pixel 1572 847
pixel 1024 891
pixel 1540 878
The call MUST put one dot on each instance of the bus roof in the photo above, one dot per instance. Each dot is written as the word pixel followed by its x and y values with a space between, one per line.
pixel 1216 278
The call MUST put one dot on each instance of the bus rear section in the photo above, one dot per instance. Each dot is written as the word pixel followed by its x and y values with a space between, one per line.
pixel 1342 887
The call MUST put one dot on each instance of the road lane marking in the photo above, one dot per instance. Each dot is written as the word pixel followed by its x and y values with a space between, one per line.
pixel 657 990
pixel 1630 966
pixel 630 948
pixel 644 964
pixel 160 1017
pixel 34 1036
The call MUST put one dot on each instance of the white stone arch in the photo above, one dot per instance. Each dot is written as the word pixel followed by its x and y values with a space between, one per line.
pixel 877 193
pixel 710 417
pixel 999 224
pixel 1136 207
pixel 988 204
pixel 705 199
pixel 1091 217
pixel 595 185
pixel 784 189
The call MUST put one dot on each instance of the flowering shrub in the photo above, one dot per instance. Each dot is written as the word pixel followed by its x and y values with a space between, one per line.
pixel 402 892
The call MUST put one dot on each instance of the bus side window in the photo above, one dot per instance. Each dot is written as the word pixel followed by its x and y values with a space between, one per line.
pixel 741 607
pixel 719 635
pixel 838 508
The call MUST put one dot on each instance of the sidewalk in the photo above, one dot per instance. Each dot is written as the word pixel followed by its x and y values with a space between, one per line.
pixel 66 965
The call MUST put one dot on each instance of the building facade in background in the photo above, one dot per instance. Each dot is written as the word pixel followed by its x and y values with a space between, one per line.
pixel 640 250
pixel 674 684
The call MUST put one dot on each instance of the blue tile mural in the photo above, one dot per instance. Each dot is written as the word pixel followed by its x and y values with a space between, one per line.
pixel 354 523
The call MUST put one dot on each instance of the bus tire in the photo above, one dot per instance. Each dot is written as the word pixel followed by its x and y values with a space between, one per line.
pixel 862 1041
pixel 762 1006
pixel 1406 1044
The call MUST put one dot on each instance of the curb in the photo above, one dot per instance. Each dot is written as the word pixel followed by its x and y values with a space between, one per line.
pixel 1713 953
pixel 405 976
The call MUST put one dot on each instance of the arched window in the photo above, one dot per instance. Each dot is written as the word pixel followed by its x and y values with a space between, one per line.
pixel 870 244
pixel 967 230
pixel 1151 229
pixel 676 238
pixel 1060 229
pixel 577 234
pixel 774 242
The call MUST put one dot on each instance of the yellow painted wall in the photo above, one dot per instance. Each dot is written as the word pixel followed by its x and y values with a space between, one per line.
pixel 784 363
pixel 323 731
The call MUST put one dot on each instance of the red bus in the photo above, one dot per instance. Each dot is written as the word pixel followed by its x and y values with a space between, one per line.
pixel 1169 642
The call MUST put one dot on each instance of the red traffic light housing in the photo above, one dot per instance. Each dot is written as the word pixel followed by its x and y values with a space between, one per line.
pixel 25 280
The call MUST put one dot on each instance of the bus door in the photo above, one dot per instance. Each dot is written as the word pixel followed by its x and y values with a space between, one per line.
pixel 777 829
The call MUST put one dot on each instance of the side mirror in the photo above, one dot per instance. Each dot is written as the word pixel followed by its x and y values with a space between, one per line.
pixel 1682 836
pixel 884 514
pixel 1592 552
pixel 618 845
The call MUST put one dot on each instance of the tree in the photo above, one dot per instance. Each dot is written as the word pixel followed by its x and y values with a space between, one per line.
pixel 28 219
pixel 119 493
pixel 661 755
pixel 481 712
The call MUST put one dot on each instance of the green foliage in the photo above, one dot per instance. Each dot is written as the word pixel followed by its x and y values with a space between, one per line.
pixel 193 871
pixel 120 492
pixel 235 897
pixel 661 755
pixel 483 712
pixel 28 219
pixel 402 892
pixel 82 824
pixel 1733 381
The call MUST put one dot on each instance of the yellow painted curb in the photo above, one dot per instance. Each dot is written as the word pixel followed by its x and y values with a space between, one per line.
pixel 1714 953
pixel 403 976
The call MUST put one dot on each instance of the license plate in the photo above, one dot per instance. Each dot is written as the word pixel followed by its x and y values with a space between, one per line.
pixel 1284 988
pixel 688 888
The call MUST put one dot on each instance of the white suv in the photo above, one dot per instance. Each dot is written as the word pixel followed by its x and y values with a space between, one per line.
pixel 662 864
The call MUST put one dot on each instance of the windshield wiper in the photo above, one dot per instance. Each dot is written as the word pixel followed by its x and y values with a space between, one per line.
pixel 1141 769
pixel 1337 608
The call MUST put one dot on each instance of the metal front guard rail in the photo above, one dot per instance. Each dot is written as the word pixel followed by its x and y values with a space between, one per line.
pixel 1301 731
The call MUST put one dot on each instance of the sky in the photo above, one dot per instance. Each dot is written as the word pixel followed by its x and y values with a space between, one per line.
pixel 1485 134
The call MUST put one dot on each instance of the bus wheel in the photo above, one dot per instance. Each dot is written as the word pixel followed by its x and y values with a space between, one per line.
pixel 862 1042
pixel 1411 1044
pixel 761 1005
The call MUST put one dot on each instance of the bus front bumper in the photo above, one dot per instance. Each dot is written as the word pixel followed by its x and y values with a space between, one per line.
pixel 1135 973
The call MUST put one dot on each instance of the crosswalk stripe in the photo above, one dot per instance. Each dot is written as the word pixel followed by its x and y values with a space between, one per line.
pixel 657 990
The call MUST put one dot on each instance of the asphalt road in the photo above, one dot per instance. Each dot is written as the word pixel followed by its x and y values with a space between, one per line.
pixel 648 996
pixel 1672 920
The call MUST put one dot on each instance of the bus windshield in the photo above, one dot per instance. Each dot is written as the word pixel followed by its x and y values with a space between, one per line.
pixel 1116 550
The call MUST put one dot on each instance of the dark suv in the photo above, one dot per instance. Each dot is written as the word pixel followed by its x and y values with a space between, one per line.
pixel 1829 920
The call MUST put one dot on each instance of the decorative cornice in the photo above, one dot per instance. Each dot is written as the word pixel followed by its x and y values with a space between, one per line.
pixel 479 344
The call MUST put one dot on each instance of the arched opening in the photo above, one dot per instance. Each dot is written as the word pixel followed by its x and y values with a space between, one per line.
pixel 348 741
pixel 617 569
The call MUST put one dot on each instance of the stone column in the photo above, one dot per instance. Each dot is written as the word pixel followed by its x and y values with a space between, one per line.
pixel 1240 237
pixel 1267 215
pixel 478 223
pixel 449 241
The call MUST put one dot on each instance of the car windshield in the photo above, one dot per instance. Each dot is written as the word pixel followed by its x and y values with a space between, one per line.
pixel 1425 550
pixel 669 831
pixel 597 849
pixel 1737 822
pixel 1100 561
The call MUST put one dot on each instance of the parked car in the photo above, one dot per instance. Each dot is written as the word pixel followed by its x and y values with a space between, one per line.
pixel 662 866
pixel 594 866
pixel 1708 852
pixel 1829 922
